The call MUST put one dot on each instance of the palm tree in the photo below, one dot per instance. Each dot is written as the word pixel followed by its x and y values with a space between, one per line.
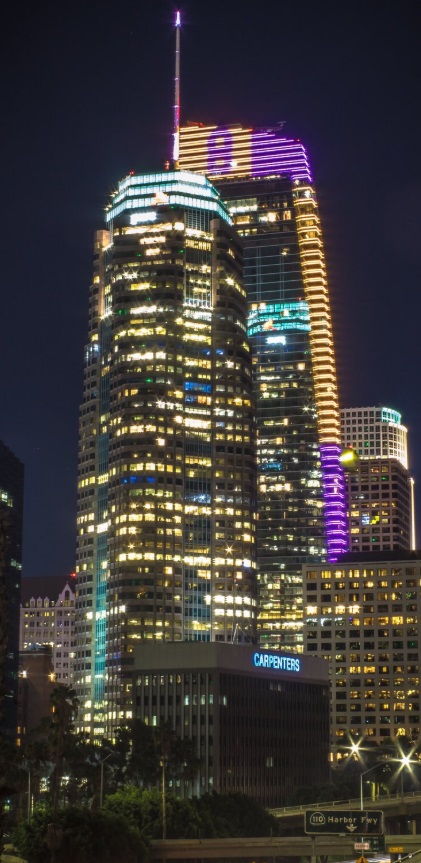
pixel 64 704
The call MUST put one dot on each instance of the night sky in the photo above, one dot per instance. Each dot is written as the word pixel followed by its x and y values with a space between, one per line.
pixel 87 96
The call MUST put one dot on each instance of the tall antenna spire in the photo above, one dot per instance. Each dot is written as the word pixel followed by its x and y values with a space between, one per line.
pixel 176 135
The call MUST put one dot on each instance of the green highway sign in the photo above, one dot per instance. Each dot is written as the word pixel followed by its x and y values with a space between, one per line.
pixel 343 822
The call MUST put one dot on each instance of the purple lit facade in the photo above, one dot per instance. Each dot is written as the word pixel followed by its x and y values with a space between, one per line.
pixel 231 151
pixel 334 501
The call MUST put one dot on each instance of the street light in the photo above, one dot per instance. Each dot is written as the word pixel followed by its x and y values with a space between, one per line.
pixel 364 773
pixel 405 761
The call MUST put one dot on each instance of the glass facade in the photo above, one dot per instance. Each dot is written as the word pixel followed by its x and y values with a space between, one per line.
pixel 266 183
pixel 167 487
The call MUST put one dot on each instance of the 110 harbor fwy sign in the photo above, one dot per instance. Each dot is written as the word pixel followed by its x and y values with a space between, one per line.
pixel 343 821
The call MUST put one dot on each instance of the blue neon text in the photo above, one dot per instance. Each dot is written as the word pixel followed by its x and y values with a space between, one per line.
pixel 276 661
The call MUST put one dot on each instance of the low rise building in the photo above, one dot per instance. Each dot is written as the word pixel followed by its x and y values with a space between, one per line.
pixel 259 719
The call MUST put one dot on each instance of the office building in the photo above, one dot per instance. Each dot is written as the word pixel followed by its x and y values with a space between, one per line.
pixel 259 720
pixel 167 476
pixel 11 519
pixel 47 616
pixel 380 490
pixel 375 432
pixel 363 615
pixel 266 183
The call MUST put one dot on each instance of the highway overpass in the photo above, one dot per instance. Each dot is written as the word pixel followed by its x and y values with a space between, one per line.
pixel 269 848
pixel 402 813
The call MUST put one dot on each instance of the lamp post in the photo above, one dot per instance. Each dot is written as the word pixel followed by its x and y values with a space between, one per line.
pixel 26 766
pixel 164 801
pixel 404 761
pixel 364 773
pixel 101 785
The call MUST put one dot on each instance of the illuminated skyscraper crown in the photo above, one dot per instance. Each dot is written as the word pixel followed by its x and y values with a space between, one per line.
pixel 235 151
pixel 145 192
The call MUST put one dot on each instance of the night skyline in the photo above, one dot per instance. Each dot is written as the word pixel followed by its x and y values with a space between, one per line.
pixel 89 98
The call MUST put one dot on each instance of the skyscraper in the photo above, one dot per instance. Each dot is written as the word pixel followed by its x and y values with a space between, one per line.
pixel 380 490
pixel 167 439
pixel 11 517
pixel 266 183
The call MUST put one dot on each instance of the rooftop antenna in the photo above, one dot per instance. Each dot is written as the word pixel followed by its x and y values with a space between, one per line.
pixel 176 135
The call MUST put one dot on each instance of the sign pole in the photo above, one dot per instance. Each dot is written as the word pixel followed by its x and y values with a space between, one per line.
pixel 313 850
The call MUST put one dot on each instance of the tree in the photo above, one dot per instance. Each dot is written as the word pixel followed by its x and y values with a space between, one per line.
pixel 82 835
pixel 225 815
pixel 140 752
pixel 64 704
pixel 143 810
pixel 137 758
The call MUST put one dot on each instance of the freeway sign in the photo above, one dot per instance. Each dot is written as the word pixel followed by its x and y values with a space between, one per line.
pixel 343 821
pixel 375 844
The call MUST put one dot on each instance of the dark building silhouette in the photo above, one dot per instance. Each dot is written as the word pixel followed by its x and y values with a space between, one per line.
pixel 36 682
pixel 11 509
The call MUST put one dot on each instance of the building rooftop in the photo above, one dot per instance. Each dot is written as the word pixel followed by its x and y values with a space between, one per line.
pixel 44 586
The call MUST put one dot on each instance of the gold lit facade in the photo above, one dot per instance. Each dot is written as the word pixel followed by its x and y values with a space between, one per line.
pixel 167 450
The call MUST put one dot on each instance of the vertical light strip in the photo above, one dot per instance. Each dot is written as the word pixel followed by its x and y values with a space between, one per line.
pixel 413 537
pixel 323 363
pixel 176 135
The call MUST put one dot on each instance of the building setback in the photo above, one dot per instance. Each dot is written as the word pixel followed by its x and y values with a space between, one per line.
pixel 363 615
pixel 167 477
pixel 266 183
pixel 259 720
pixel 11 510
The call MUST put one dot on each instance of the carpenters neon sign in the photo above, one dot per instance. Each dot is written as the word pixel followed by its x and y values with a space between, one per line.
pixel 276 661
